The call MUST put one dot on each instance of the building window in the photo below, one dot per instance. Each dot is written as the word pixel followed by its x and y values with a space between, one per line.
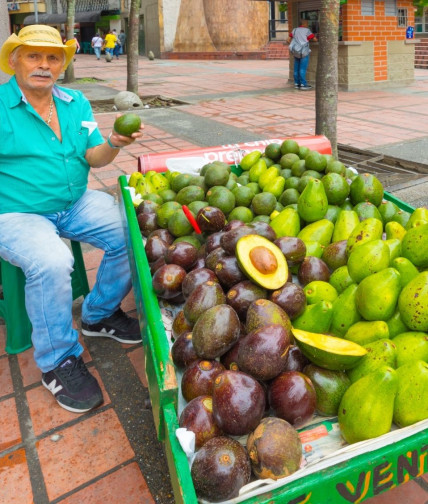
pixel 367 7
pixel 390 8
pixel 402 18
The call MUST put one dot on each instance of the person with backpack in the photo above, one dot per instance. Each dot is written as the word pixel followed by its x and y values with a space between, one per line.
pixel 97 43
pixel 299 47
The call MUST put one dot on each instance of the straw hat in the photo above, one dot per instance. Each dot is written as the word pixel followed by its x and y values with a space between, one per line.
pixel 35 36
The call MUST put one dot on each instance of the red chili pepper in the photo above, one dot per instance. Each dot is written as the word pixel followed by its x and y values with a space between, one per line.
pixel 191 219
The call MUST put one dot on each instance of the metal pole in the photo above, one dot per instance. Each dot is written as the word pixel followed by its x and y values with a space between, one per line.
pixel 36 13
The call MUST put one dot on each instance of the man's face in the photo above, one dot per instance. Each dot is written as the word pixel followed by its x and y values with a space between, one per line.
pixel 37 67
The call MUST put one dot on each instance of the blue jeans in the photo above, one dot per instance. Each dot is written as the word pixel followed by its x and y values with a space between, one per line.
pixel 33 242
pixel 109 50
pixel 300 67
pixel 97 51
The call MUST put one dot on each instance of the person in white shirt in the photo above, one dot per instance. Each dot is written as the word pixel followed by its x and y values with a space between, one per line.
pixel 97 43
pixel 303 35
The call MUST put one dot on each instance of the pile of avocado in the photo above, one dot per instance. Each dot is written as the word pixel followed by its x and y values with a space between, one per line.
pixel 317 243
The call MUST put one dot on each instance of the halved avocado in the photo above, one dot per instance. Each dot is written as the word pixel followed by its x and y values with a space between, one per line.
pixel 262 261
pixel 328 352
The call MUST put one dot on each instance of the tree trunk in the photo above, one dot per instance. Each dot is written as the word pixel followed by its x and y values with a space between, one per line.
pixel 132 56
pixel 69 33
pixel 4 33
pixel 327 73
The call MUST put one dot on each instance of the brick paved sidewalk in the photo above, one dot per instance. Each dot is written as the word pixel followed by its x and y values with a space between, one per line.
pixel 111 455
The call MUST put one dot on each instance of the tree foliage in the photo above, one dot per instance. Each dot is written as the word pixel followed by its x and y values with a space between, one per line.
pixel 420 4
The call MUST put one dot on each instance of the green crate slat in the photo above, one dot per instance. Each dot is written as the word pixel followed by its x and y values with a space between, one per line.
pixel 159 366
pixel 352 481
pixel 182 485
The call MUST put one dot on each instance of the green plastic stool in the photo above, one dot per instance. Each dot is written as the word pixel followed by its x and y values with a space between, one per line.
pixel 12 306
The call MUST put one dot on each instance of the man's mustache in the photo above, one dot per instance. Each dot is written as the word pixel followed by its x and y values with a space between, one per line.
pixel 41 73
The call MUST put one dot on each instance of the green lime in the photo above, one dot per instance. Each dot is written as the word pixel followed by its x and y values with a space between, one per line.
pixel 243 195
pixel 292 182
pixel 195 206
pixel 298 167
pixel 178 224
pixel 153 197
pixel 222 199
pixel 290 195
pixel 263 203
pixel 254 186
pixel 287 160
pixel 241 213
pixel 165 211
pixel 273 151
pixel 336 188
pixel 269 162
pixel 127 124
pixel 303 151
pixel 312 173
pixel 315 161
pixel 289 145
pixel 335 166
pixel 244 178
pixel 387 210
pixel 167 195
pixel 262 218
pixel 189 239
pixel 303 181
pixel 180 181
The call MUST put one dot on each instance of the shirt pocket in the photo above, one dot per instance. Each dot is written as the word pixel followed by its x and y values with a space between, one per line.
pixel 81 141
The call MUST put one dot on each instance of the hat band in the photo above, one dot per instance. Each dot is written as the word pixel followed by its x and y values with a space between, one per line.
pixel 42 40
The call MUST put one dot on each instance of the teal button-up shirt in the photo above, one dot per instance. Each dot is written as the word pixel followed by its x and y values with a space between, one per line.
pixel 38 172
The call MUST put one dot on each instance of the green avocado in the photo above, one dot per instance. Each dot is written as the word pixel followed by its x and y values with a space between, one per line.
pixel 366 408
pixel 415 246
pixel 413 303
pixel 329 387
pixel 127 124
pixel 312 203
pixel 411 402
pixel 411 346
pixel 377 295
pixel 380 353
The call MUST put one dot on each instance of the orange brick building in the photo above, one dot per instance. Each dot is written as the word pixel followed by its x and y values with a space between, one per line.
pixel 373 48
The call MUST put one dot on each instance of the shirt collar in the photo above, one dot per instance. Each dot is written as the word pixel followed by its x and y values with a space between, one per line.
pixel 18 96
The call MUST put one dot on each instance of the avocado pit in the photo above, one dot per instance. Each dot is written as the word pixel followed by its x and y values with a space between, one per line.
pixel 263 260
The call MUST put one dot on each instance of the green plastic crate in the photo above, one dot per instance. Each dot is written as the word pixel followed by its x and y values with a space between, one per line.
pixel 384 464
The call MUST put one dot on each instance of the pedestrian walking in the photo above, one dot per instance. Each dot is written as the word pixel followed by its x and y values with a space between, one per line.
pixel 122 39
pixel 299 47
pixel 97 43
pixel 110 42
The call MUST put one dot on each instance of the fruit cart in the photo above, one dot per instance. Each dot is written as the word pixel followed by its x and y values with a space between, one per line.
pixel 350 475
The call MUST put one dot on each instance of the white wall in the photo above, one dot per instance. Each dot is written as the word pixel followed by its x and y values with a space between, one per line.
pixel 171 9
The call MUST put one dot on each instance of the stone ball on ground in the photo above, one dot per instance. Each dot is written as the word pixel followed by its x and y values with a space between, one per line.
pixel 126 100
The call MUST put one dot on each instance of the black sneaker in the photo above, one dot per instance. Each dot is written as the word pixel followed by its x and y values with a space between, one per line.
pixel 118 326
pixel 305 88
pixel 297 86
pixel 73 386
